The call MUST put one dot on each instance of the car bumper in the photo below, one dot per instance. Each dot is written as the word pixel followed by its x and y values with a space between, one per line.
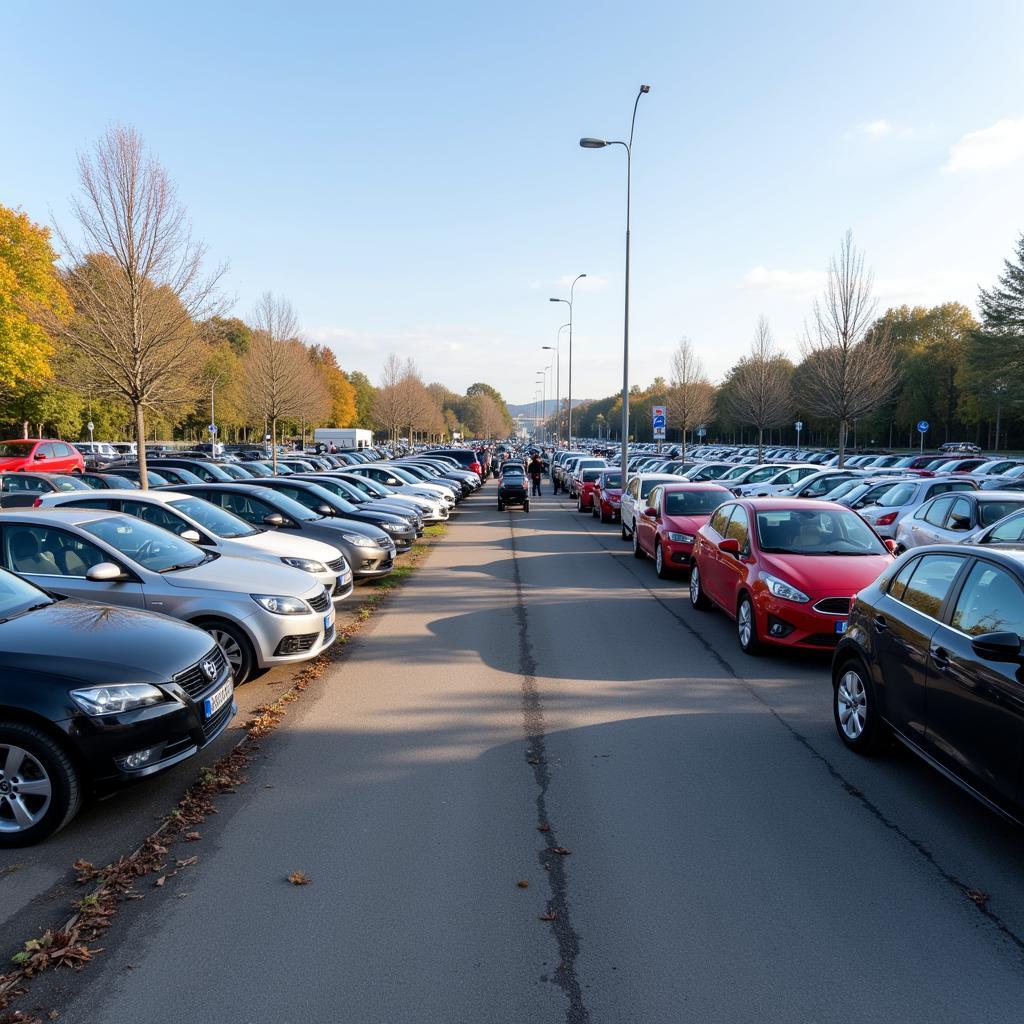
pixel 787 624
pixel 285 639
pixel 677 554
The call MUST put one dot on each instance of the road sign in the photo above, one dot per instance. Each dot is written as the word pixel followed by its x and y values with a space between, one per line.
pixel 923 427
pixel 212 428
pixel 266 437
pixel 701 431
pixel 799 425
pixel 658 422
pixel 90 426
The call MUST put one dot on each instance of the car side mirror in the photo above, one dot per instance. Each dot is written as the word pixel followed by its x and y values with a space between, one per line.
pixel 324 510
pixel 960 523
pixel 103 572
pixel 729 546
pixel 890 545
pixel 192 536
pixel 40 455
pixel 273 519
pixel 997 646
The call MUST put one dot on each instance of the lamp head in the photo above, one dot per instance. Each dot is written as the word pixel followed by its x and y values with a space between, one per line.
pixel 593 143
pixel 645 88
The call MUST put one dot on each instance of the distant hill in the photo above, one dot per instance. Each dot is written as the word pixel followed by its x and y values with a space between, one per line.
pixel 527 409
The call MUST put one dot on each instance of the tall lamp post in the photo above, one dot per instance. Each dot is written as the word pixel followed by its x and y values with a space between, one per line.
pixel 543 381
pixel 213 421
pixel 568 302
pixel 558 383
pixel 587 143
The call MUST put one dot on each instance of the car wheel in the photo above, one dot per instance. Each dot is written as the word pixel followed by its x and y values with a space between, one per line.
pixel 40 791
pixel 746 626
pixel 579 504
pixel 236 647
pixel 626 534
pixel 853 708
pixel 697 596
pixel 638 552
pixel 526 505
pixel 660 565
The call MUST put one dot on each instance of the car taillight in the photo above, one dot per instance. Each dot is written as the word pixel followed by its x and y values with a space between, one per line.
pixel 887 520
pixel 476 467
pixel 37 503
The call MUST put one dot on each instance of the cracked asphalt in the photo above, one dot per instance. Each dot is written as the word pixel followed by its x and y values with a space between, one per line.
pixel 536 689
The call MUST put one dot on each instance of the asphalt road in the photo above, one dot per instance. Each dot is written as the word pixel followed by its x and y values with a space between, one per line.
pixel 730 861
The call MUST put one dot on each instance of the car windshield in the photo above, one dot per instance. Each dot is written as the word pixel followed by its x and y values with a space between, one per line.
pixel 992 511
pixel 611 480
pixel 693 503
pixel 18 595
pixel 150 546
pixel 816 532
pixel 897 495
pixel 70 483
pixel 15 449
pixel 288 506
pixel 213 518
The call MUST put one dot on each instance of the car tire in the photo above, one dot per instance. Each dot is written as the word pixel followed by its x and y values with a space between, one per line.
pixel 45 762
pixel 526 505
pixel 638 552
pixel 625 533
pixel 661 567
pixel 698 599
pixel 579 504
pixel 853 708
pixel 236 646
pixel 746 626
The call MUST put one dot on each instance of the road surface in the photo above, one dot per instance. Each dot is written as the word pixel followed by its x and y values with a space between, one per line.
pixel 535 688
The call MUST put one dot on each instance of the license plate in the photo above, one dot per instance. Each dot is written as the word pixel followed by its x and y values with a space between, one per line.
pixel 217 699
pixel 345 579
pixel 841 626
pixel 329 621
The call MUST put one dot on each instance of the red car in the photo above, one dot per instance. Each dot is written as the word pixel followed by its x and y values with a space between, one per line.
pixel 41 455
pixel 667 527
pixel 785 570
pixel 585 485
pixel 607 496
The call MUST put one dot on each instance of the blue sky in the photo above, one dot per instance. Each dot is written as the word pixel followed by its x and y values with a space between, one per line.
pixel 408 175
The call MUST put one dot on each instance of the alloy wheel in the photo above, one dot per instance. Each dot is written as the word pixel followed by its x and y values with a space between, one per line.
pixel 25 789
pixel 232 651
pixel 745 623
pixel 694 584
pixel 852 704
pixel 659 560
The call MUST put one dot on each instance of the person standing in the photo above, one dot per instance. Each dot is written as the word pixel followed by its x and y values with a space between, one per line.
pixel 536 470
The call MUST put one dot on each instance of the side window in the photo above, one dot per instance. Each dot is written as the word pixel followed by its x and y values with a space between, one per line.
pixel 252 510
pixel 789 478
pixel 739 527
pixel 47 450
pixel 15 483
pixel 155 514
pixel 900 580
pixel 720 519
pixel 61 450
pixel 938 510
pixel 959 517
pixel 991 602
pixel 1009 532
pixel 103 504
pixel 654 498
pixel 930 583
pixel 826 483
pixel 44 551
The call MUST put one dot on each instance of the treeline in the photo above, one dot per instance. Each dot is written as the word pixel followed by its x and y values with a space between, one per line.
pixel 129 332
pixel 863 379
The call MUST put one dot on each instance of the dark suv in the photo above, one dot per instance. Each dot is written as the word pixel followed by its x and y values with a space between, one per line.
pixel 512 487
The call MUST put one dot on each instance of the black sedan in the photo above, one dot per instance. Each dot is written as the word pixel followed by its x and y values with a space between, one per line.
pixel 933 655
pixel 512 487
pixel 20 490
pixel 92 696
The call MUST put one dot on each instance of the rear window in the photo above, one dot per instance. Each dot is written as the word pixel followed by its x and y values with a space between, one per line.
pixel 992 511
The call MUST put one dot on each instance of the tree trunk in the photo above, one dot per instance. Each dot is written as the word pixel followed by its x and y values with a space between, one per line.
pixel 273 442
pixel 140 444
pixel 760 445
pixel 842 444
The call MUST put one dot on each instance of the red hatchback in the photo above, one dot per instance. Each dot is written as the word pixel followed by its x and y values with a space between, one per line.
pixel 607 498
pixel 667 527
pixel 40 455
pixel 785 570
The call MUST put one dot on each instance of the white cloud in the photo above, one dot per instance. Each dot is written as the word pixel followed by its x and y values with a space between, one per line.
pixel 793 281
pixel 988 149
pixel 875 129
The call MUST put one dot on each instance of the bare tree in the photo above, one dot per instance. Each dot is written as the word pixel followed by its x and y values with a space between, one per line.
pixel 847 371
pixel 392 407
pixel 691 396
pixel 759 391
pixel 276 366
pixel 135 280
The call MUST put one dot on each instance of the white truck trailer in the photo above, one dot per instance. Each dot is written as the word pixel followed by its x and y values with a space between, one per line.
pixel 343 438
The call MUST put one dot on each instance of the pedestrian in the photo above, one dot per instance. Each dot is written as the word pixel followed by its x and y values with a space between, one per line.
pixel 333 449
pixel 536 472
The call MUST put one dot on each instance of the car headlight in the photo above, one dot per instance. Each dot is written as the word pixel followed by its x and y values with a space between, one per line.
pixel 393 527
pixel 681 538
pixel 305 564
pixel 111 700
pixel 358 540
pixel 281 605
pixel 780 588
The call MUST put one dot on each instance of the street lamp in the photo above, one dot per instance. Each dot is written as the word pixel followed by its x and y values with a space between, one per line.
pixel 556 348
pixel 587 143
pixel 543 381
pixel 568 302
pixel 213 421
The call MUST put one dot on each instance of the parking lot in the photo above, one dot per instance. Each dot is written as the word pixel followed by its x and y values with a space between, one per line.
pixel 538 707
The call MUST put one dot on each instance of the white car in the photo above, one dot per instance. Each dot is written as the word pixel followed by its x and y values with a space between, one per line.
pixel 759 485
pixel 216 529
pixel 636 490
pixel 905 497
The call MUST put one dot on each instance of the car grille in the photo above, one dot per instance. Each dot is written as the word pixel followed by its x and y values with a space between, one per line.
pixel 383 542
pixel 321 602
pixel 194 681
pixel 214 724
pixel 338 565
pixel 833 606
pixel 297 644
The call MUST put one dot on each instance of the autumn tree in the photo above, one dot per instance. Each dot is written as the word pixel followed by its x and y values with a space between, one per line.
pixel 135 281
pixel 690 396
pixel 363 396
pixel 391 403
pixel 342 394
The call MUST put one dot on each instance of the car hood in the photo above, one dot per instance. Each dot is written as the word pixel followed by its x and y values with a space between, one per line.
pixel 286 546
pixel 827 575
pixel 96 643
pixel 685 524
pixel 241 575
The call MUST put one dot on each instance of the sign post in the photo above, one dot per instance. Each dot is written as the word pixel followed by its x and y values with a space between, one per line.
pixel 922 429
pixel 658 424
pixel 89 426
pixel 798 426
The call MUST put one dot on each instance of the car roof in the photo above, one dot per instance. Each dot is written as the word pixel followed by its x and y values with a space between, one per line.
pixel 66 516
pixel 41 475
pixel 163 495
pixel 696 485
pixel 781 504
pixel 998 552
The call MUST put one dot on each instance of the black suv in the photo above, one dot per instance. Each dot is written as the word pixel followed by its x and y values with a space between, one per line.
pixel 512 487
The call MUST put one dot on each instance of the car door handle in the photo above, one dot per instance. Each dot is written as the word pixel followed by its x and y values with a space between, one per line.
pixel 940 656
pixel 880 624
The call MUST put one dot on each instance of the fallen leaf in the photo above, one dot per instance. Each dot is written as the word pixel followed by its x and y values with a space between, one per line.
pixel 549 916
pixel 188 862
pixel 160 881
pixel 523 884
pixel 544 828
pixel 977 896
pixel 534 760
pixel 192 837
pixel 561 851
pixel 299 878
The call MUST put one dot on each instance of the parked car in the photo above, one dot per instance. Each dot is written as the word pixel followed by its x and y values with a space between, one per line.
pixel 634 496
pixel 404 482
pixel 106 481
pixel 513 489
pixel 39 454
pixel 953 518
pixel 200 468
pixel 153 478
pixel 370 552
pixel 666 528
pixel 432 510
pixel 905 496
pixel 762 484
pixel 585 485
pixel 21 490
pixel 933 657
pixel 172 475
pixel 216 529
pixel 608 496
pixel 260 614
pixel 402 507
pixel 785 569
pixel 74 720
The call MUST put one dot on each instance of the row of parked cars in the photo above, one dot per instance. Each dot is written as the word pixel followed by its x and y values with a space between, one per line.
pixel 127 616
pixel 914 583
